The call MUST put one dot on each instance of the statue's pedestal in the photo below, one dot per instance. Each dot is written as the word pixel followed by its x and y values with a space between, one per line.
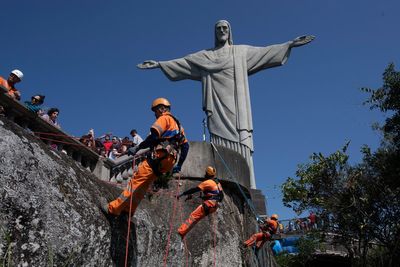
pixel 258 199
pixel 202 154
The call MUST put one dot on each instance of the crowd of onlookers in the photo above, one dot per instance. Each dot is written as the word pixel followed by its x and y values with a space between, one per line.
pixel 299 224
pixel 106 145
pixel 110 146
pixel 35 105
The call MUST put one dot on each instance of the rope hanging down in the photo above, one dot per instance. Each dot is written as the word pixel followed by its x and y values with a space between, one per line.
pixel 172 219
pixel 184 240
pixel 248 201
pixel 129 220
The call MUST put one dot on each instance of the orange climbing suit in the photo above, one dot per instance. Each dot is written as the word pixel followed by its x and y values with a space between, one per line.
pixel 210 189
pixel 166 127
pixel 12 91
pixel 260 238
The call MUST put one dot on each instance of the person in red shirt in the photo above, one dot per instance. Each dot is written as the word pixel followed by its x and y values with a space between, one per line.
pixel 107 144
pixel 166 138
pixel 311 220
pixel 212 195
pixel 268 228
pixel 9 84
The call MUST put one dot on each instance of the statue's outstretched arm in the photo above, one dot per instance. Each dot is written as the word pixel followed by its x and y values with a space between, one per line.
pixel 302 40
pixel 148 64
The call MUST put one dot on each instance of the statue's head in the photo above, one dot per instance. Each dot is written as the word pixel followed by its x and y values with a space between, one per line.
pixel 223 33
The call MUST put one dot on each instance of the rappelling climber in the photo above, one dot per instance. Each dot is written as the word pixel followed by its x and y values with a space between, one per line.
pixel 212 195
pixel 166 139
pixel 268 227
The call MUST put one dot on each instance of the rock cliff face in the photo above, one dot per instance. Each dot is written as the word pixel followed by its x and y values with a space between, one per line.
pixel 49 216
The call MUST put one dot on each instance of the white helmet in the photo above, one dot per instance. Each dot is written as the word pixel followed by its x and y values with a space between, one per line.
pixel 18 73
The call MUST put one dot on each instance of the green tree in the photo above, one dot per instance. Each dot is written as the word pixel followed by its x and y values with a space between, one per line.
pixel 360 203
pixel 307 247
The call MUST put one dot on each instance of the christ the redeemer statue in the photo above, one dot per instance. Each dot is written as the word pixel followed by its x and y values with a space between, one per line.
pixel 223 71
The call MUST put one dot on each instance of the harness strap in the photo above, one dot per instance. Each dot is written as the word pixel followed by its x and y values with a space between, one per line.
pixel 206 209
pixel 214 194
pixel 165 142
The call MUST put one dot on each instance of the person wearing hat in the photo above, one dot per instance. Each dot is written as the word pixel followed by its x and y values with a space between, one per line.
pixel 166 138
pixel 268 228
pixel 212 195
pixel 9 84
pixel 35 105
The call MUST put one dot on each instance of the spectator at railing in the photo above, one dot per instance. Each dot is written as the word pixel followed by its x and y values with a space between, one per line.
pixel 51 117
pixel 280 228
pixel 9 84
pixel 96 144
pixel 125 145
pixel 99 147
pixel 35 105
pixel 291 226
pixel 312 220
pixel 304 224
pixel 88 140
pixel 136 139
pixel 107 144
pixel 298 225
pixel 115 148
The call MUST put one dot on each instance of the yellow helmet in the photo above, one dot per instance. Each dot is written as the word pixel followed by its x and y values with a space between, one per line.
pixel 160 101
pixel 274 216
pixel 211 172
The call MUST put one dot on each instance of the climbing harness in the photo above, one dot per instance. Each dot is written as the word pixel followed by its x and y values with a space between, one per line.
pixel 170 146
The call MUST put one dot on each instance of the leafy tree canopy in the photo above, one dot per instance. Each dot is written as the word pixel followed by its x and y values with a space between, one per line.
pixel 359 203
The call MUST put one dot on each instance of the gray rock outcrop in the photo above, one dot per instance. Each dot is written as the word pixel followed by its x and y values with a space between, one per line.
pixel 49 216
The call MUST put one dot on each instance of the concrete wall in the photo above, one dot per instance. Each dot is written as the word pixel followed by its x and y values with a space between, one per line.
pixel 201 155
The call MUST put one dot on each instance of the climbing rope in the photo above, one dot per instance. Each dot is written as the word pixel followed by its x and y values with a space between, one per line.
pixel 171 221
pixel 215 237
pixel 248 201
pixel 184 240
pixel 61 142
pixel 56 134
pixel 129 219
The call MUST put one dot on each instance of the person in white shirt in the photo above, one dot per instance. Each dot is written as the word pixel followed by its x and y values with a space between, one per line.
pixel 136 138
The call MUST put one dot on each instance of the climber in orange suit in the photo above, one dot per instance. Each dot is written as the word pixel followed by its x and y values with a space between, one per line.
pixel 268 228
pixel 165 140
pixel 212 195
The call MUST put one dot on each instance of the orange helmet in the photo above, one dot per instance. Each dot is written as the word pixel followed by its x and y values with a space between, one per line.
pixel 274 216
pixel 160 101
pixel 211 172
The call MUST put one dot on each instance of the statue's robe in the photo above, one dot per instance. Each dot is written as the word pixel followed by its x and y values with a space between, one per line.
pixel 226 98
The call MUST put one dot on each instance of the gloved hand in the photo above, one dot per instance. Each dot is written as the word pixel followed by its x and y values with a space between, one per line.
pixel 260 221
pixel 189 197
pixel 176 169
pixel 133 150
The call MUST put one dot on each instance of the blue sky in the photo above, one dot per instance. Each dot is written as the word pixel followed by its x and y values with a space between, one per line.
pixel 82 56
